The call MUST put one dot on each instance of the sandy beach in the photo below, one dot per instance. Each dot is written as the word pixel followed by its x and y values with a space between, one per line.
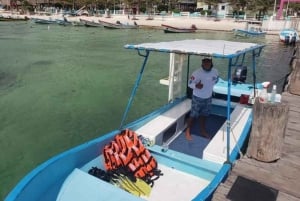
pixel 202 23
pixel 185 21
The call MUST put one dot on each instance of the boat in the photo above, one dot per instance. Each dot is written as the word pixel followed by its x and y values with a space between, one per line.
pixel 289 36
pixel 13 18
pixel 89 23
pixel 77 23
pixel 43 21
pixel 63 21
pixel 172 29
pixel 118 25
pixel 251 32
pixel 191 170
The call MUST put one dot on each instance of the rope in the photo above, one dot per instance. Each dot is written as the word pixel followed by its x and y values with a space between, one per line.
pixel 234 138
pixel 239 148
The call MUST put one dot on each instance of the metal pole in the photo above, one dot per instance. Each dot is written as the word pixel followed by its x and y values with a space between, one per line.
pixel 137 82
pixel 274 10
pixel 228 112
pixel 287 8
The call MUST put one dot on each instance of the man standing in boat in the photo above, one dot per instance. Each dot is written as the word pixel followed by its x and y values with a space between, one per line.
pixel 202 82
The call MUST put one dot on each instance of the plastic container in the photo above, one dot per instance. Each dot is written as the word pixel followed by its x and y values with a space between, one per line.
pixel 273 94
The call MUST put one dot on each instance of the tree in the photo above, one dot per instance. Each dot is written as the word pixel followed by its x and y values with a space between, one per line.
pixel 238 5
pixel 262 6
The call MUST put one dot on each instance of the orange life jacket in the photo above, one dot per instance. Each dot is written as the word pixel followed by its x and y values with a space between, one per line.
pixel 127 150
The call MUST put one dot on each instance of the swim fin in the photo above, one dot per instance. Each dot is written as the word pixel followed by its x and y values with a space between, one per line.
pixel 140 185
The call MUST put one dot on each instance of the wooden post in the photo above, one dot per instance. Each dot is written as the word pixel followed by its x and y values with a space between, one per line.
pixel 267 133
pixel 294 82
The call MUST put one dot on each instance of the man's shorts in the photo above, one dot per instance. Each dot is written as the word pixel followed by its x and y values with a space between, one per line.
pixel 200 107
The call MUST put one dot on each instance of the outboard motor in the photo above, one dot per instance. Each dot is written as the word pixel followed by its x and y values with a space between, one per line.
pixel 287 40
pixel 293 40
pixel 240 74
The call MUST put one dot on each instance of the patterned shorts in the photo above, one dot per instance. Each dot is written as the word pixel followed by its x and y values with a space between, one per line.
pixel 200 107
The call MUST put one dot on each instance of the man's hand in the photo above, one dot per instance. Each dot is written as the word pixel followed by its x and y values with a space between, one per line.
pixel 199 85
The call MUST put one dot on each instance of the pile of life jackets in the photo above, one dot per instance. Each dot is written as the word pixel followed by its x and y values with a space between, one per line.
pixel 126 152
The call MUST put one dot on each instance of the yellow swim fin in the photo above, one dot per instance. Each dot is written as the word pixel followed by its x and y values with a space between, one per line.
pixel 140 185
pixel 143 186
pixel 127 185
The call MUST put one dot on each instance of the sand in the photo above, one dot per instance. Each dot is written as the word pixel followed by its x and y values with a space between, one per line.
pixel 201 22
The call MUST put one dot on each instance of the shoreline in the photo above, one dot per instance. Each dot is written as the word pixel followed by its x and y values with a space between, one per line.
pixel 202 23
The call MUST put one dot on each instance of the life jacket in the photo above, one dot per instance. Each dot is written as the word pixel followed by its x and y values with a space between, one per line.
pixel 126 151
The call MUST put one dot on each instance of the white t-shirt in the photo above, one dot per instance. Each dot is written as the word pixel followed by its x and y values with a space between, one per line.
pixel 208 79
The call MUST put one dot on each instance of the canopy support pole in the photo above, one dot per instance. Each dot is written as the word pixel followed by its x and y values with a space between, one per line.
pixel 228 112
pixel 137 83
pixel 188 76
pixel 254 55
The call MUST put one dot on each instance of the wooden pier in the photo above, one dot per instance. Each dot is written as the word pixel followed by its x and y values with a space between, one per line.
pixel 283 175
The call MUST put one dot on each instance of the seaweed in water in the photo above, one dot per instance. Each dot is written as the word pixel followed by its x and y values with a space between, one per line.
pixel 42 63
pixel 6 80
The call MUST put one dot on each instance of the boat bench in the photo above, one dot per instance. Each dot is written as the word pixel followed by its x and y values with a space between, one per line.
pixel 215 151
pixel 155 129
pixel 82 186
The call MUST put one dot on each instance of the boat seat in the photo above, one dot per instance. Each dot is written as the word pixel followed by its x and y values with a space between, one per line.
pixel 237 89
pixel 81 186
pixel 154 129
pixel 215 151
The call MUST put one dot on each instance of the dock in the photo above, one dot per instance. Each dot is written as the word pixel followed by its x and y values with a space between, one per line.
pixel 280 178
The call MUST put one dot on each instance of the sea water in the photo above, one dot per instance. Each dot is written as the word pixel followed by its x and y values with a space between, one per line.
pixel 61 86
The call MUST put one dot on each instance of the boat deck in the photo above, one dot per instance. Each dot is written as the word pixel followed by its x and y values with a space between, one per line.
pixel 282 175
pixel 196 146
pixel 81 185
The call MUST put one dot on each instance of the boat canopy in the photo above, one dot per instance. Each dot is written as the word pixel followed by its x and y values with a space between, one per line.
pixel 210 48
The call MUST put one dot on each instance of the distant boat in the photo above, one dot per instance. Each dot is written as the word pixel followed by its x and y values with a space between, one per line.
pixel 289 36
pixel 63 21
pixel 77 23
pixel 43 21
pixel 250 32
pixel 118 25
pixel 89 23
pixel 9 18
pixel 172 29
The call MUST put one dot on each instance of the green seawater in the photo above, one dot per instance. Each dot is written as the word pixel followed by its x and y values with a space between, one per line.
pixel 61 86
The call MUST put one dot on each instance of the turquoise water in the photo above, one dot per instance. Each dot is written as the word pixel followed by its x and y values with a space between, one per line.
pixel 61 86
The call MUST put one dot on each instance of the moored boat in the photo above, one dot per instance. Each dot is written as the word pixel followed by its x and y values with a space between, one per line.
pixel 63 21
pixel 89 23
pixel 191 169
pixel 43 21
pixel 118 25
pixel 289 36
pixel 251 32
pixel 172 29
pixel 13 19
